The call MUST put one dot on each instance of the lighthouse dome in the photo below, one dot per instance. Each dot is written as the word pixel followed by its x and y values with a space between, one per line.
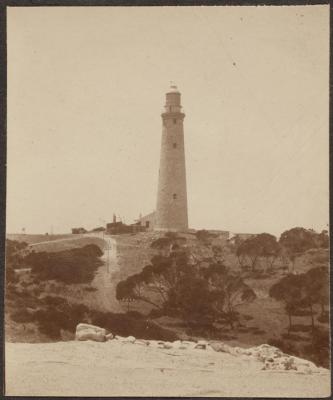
pixel 173 88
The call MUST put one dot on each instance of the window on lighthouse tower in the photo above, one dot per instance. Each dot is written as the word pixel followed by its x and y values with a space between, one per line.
pixel 174 196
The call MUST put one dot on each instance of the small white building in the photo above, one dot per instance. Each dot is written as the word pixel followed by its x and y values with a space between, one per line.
pixel 147 221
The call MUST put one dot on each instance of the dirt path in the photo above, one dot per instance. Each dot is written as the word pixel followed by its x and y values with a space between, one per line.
pixel 123 369
pixel 103 281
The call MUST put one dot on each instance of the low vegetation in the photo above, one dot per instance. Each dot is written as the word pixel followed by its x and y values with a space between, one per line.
pixel 32 302
pixel 246 292
pixel 210 295
pixel 177 288
pixel 70 266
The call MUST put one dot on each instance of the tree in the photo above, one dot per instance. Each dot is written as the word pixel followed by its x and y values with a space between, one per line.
pixel 316 290
pixel 322 239
pixel 190 298
pixel 263 246
pixel 227 292
pixel 14 253
pixel 298 240
pixel 203 236
pixel 248 250
pixel 303 291
pixel 289 291
pixel 155 282
pixel 175 287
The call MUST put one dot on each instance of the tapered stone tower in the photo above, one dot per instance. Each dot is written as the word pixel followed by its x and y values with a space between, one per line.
pixel 171 210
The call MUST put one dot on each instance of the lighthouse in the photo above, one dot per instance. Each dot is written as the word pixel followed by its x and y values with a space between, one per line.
pixel 171 209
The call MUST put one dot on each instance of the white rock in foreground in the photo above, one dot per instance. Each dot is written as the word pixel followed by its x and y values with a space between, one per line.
pixel 128 339
pixel 272 358
pixel 90 332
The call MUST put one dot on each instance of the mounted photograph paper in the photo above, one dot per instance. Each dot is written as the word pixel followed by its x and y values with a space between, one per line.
pixel 167 214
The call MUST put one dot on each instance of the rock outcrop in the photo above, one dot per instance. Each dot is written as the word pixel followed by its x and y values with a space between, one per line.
pixel 271 357
pixel 90 332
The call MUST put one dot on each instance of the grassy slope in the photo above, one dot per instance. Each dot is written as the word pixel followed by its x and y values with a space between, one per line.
pixel 75 293
pixel 35 238
pixel 67 243
pixel 266 317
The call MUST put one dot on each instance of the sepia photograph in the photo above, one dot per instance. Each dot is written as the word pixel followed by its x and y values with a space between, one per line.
pixel 167 201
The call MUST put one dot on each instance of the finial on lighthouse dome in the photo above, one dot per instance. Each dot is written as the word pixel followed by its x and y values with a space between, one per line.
pixel 173 87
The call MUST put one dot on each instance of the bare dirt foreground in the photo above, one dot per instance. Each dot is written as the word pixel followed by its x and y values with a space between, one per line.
pixel 124 369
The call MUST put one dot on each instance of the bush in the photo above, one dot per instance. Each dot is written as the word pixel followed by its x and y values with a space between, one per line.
pixel 59 315
pixel 275 343
pixel 247 317
pixel 260 275
pixel 11 276
pixel 284 346
pixel 293 336
pixel 299 312
pixel 324 318
pixel 126 325
pixel 54 301
pixel 14 255
pixel 22 316
pixel 319 349
pixel 90 289
pixel 203 235
pixel 161 243
pixel 258 332
pixel 156 313
pixel 68 266
pixel 134 315
pixel 171 235
pixel 300 328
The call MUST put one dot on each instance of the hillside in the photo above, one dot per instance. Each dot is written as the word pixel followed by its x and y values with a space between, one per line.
pixel 35 238
pixel 262 320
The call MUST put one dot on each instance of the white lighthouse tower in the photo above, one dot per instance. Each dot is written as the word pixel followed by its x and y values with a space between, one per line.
pixel 171 210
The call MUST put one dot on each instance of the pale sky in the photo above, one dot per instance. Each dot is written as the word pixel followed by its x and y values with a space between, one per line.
pixel 86 87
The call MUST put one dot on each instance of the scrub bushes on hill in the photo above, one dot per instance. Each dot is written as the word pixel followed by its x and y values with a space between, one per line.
pixel 68 266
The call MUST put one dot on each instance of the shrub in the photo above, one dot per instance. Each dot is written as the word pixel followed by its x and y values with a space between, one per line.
pixel 247 317
pixel 161 243
pixel 68 266
pixel 299 312
pixel 171 235
pixel 134 315
pixel 11 276
pixel 300 328
pixel 54 301
pixel 293 336
pixel 22 316
pixel 324 318
pixel 284 346
pixel 156 313
pixel 203 235
pixel 37 291
pixel 275 343
pixel 90 289
pixel 319 349
pixel 259 332
pixel 125 325
pixel 59 315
